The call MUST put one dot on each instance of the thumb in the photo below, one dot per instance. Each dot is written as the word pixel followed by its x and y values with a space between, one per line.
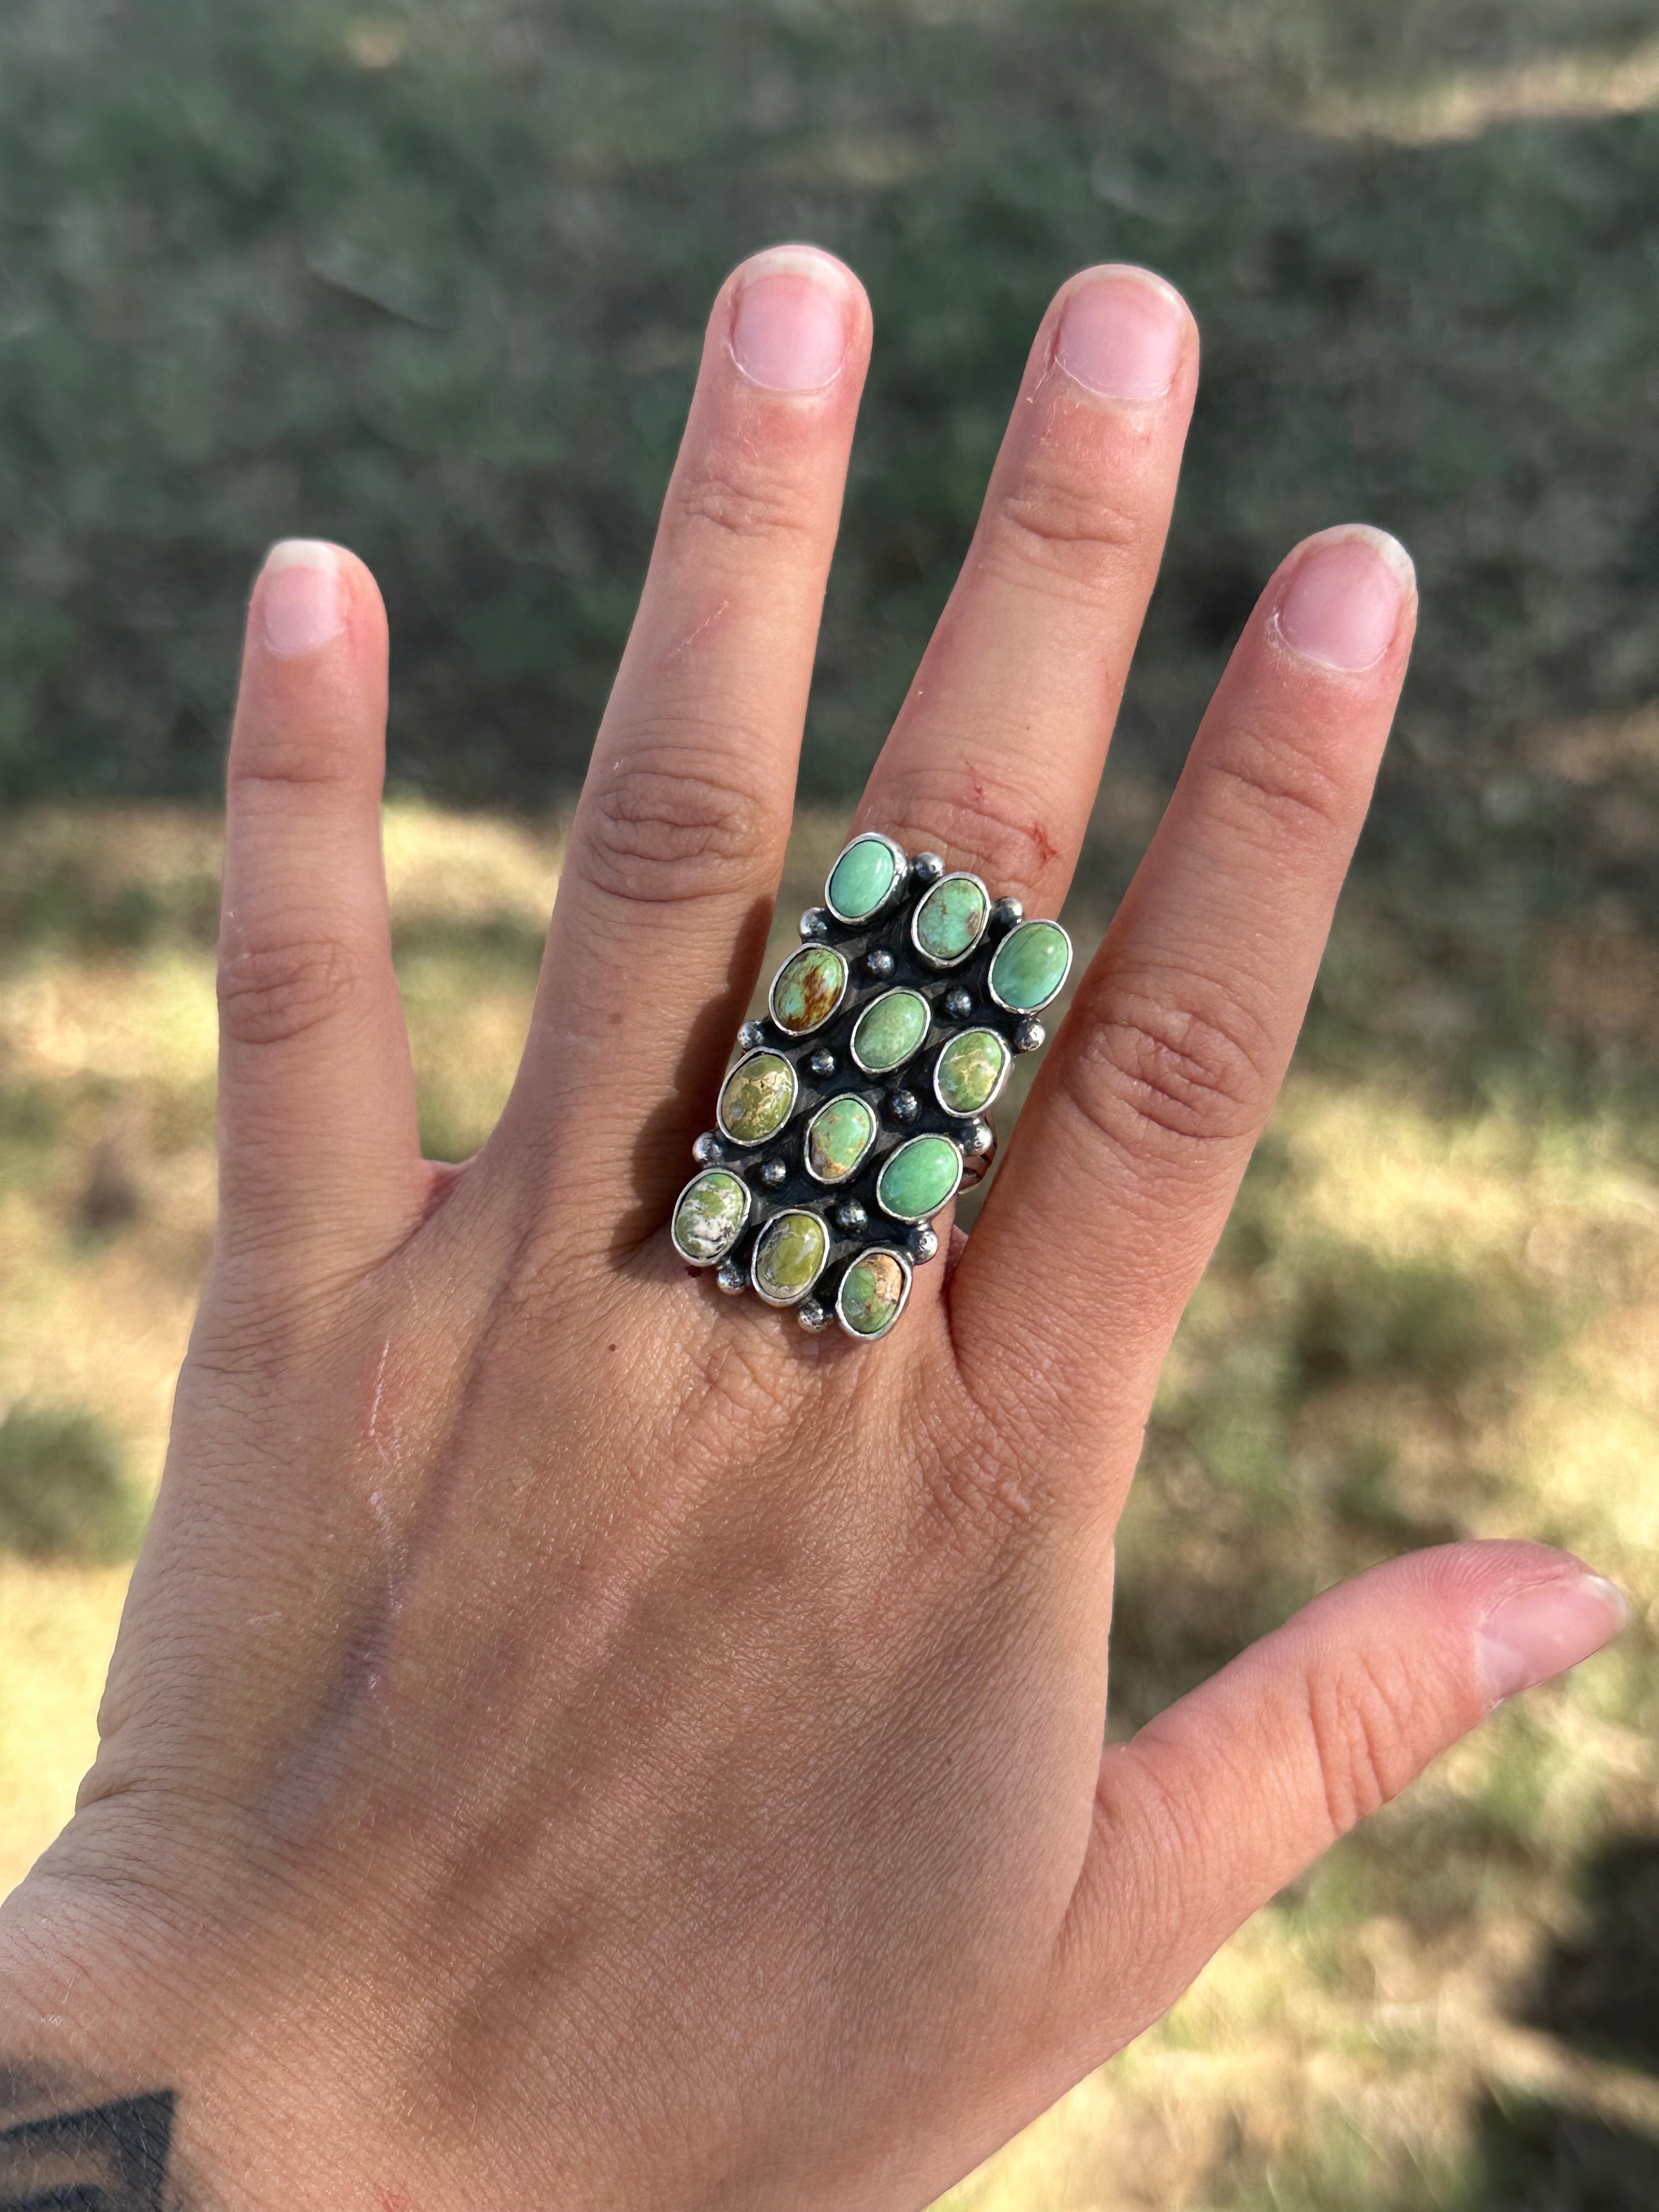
pixel 1219 1802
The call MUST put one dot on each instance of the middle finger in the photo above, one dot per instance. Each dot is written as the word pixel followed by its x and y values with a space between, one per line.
pixel 995 757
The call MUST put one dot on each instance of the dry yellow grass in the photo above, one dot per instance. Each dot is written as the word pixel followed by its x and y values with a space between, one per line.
pixel 1428 1318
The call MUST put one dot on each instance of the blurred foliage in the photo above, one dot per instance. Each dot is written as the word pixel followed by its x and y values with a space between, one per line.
pixel 432 279
pixel 63 1495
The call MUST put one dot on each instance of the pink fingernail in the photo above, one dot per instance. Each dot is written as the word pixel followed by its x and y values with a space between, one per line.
pixel 1341 603
pixel 789 325
pixel 1539 1632
pixel 301 596
pixel 1120 336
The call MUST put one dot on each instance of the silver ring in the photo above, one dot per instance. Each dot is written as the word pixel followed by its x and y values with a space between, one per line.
pixel 860 1105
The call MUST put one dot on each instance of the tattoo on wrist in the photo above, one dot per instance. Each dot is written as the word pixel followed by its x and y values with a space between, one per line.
pixel 107 2157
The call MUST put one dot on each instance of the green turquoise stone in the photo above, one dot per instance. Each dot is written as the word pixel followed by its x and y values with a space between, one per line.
pixel 919 1178
pixel 837 1138
pixel 951 919
pixel 790 1256
pixel 1030 965
pixel 758 1097
pixel 969 1072
pixel 811 984
pixel 871 1292
pixel 710 1215
pixel 862 878
pixel 889 1030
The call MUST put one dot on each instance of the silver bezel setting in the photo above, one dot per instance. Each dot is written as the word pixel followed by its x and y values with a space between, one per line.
pixel 754 1143
pixel 954 876
pixel 898 990
pixel 880 958
pixel 1030 921
pixel 806 1291
pixel 692 1259
pixel 801 952
pixel 979 1028
pixel 926 1137
pixel 906 1268
pixel 895 889
pixel 834 1182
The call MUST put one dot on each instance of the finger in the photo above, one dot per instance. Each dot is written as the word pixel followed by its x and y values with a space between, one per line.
pixel 678 838
pixel 1130 1149
pixel 1215 1806
pixel 995 757
pixel 319 1151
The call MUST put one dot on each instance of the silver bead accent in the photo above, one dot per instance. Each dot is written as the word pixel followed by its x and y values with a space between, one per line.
pixel 851 1215
pixel 958 1004
pixel 978 1137
pixel 822 1061
pixel 812 1315
pixel 815 922
pixel 1006 913
pixel 922 1244
pixel 773 1173
pixel 880 961
pixel 927 867
pixel 709 1149
pixel 903 1106
pixel 751 1035
pixel 1031 1036
pixel 732 1279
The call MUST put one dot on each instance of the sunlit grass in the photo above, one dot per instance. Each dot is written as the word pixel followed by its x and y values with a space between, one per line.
pixel 1435 1314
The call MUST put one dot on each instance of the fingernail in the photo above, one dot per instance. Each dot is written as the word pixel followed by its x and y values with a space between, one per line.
pixel 1541 1632
pixel 1121 335
pixel 789 323
pixel 1341 604
pixel 301 596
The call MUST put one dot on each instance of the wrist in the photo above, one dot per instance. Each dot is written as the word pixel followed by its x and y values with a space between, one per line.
pixel 132 2068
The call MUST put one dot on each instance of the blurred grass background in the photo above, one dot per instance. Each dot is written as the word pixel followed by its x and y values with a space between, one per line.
pixel 430 277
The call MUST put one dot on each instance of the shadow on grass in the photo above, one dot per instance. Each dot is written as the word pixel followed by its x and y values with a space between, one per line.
pixel 1535 2157
pixel 1599 1991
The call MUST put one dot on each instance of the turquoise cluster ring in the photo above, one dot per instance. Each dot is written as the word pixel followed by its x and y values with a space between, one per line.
pixel 860 1104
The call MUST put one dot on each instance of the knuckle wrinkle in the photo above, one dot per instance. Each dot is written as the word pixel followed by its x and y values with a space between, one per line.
pixel 270 993
pixel 657 833
pixel 1161 1075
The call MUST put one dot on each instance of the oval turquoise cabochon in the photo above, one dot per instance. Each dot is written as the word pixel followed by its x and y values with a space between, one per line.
pixel 789 1256
pixel 709 1216
pixel 971 1070
pixel 807 989
pixel 758 1098
pixel 861 881
pixel 873 1292
pixel 919 1178
pixel 951 921
pixel 838 1136
pixel 1032 963
pixel 889 1030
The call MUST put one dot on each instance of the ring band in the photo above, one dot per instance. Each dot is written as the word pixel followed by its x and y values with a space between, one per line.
pixel 860 1104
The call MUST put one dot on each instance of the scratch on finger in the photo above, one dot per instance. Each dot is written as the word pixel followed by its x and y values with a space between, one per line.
pixel 678 652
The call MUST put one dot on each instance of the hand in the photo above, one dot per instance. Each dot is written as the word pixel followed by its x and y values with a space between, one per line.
pixel 576 1740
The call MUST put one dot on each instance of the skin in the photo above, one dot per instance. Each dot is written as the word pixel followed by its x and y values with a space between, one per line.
pixel 575 1740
